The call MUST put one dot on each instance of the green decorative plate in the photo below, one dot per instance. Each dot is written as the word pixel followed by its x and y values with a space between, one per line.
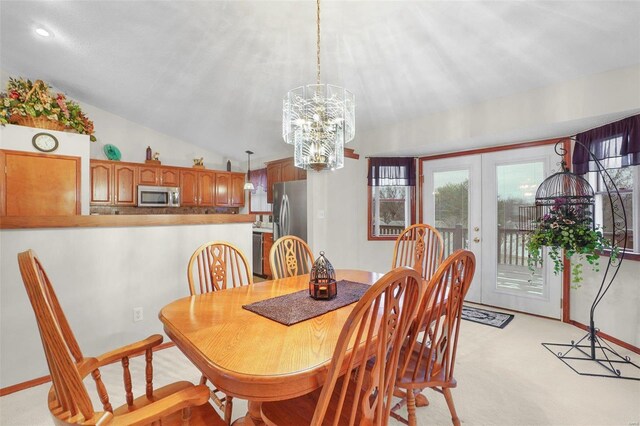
pixel 112 152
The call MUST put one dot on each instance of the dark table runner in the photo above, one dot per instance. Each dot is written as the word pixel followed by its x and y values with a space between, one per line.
pixel 299 306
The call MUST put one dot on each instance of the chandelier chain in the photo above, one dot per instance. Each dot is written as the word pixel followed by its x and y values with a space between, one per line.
pixel 318 41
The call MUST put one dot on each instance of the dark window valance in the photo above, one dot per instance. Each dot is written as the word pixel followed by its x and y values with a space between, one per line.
pixel 392 171
pixel 615 145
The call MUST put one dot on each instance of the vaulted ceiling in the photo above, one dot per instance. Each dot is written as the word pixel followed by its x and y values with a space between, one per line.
pixel 213 73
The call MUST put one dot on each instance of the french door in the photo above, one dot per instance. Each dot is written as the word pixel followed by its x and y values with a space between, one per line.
pixel 474 202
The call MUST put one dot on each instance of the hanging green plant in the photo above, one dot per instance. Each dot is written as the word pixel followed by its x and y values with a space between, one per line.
pixel 569 229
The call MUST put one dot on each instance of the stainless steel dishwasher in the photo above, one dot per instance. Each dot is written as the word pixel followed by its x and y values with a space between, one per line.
pixel 257 253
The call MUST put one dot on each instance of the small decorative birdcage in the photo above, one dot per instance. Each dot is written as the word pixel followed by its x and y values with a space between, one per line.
pixel 564 191
pixel 322 279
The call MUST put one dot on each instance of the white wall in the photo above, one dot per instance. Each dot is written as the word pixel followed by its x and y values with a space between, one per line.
pixel 132 139
pixel 558 110
pixel 99 275
pixel 18 138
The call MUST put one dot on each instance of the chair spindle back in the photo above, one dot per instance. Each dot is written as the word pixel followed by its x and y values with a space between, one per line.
pixel 219 266
pixel 432 360
pixel 290 256
pixel 419 246
pixel 381 320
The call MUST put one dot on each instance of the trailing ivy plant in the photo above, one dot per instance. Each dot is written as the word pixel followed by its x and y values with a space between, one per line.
pixel 567 228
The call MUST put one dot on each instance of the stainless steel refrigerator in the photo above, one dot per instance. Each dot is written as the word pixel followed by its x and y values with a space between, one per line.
pixel 290 209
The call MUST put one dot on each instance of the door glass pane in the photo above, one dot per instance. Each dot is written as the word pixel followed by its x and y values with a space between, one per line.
pixel 516 187
pixel 451 201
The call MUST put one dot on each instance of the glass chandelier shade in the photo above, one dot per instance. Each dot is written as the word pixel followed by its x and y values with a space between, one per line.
pixel 248 185
pixel 318 119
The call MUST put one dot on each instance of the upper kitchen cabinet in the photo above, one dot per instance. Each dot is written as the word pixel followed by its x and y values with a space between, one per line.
pixel 101 176
pixel 39 185
pixel 282 171
pixel 229 189
pixel 124 185
pixel 158 175
pixel 148 175
pixel 113 183
pixel 197 188
pixel 169 176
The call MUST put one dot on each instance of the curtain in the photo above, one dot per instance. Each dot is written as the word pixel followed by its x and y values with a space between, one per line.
pixel 614 145
pixel 258 178
pixel 388 171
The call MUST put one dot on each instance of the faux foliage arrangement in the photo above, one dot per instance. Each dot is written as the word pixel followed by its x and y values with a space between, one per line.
pixel 567 228
pixel 32 104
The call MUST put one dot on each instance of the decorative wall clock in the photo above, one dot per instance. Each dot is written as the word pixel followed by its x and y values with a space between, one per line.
pixel 45 142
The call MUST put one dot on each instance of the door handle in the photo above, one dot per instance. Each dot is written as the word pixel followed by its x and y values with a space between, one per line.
pixel 476 240
pixel 476 229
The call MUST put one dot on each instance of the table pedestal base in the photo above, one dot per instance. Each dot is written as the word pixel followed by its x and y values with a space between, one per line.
pixel 253 416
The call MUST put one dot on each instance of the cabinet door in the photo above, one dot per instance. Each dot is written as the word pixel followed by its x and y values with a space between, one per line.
pixel 188 188
pixel 206 186
pixel 148 175
pixel 301 174
pixel 223 189
pixel 169 176
pixel 101 175
pixel 274 175
pixel 288 170
pixel 267 242
pixel 124 184
pixel 237 189
pixel 40 185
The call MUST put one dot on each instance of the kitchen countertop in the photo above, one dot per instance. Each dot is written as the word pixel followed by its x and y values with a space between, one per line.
pixel 263 230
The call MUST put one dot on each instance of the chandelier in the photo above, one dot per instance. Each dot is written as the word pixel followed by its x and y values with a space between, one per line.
pixel 318 119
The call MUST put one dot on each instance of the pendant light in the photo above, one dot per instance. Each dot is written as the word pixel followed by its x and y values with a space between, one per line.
pixel 318 119
pixel 248 184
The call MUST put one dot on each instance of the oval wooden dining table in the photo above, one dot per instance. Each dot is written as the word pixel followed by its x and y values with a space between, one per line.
pixel 248 356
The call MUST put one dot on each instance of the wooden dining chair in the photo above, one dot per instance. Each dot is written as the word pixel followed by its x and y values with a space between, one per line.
pixel 290 256
pixel 69 402
pixel 419 246
pixel 428 358
pixel 351 395
pixel 219 265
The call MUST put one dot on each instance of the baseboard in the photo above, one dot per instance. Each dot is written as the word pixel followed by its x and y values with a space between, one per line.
pixel 44 379
pixel 611 339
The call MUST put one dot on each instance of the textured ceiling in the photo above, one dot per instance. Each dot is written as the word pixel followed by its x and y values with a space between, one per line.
pixel 214 73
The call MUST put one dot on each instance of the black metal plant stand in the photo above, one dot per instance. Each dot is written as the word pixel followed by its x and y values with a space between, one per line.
pixel 592 355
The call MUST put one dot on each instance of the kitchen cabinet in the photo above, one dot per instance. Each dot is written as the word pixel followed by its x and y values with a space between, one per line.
pixel 169 176
pixel 124 185
pixel 148 175
pixel 229 189
pixel 113 183
pixel 267 242
pixel 282 171
pixel 39 184
pixel 101 177
pixel 197 188
pixel 154 175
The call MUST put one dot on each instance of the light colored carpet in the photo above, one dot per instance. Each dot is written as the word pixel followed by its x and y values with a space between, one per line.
pixel 505 377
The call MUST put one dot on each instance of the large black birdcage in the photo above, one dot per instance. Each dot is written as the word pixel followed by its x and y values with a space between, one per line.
pixel 564 191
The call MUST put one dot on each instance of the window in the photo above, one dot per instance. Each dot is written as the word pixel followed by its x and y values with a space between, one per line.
pixel 617 148
pixel 391 197
pixel 627 182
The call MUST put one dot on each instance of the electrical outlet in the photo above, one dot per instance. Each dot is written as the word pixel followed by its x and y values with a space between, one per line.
pixel 138 314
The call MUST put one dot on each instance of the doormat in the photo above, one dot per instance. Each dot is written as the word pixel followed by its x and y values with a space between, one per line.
pixel 482 316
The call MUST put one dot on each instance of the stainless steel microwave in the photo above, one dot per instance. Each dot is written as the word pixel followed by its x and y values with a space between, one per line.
pixel 158 196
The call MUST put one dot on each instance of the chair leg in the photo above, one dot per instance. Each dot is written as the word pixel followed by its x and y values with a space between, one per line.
pixel 411 408
pixel 421 400
pixel 452 407
pixel 203 379
pixel 228 407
